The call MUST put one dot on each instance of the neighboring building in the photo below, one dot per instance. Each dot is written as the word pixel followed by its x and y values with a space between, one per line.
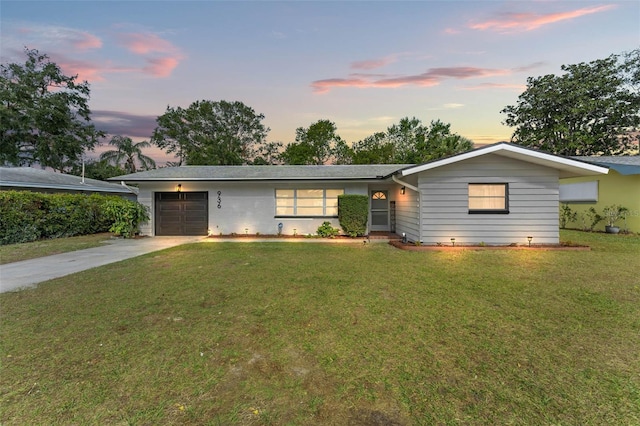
pixel 37 180
pixel 620 186
pixel 499 194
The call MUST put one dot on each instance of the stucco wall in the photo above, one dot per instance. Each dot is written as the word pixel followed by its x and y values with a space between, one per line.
pixel 533 203
pixel 246 206
pixel 613 188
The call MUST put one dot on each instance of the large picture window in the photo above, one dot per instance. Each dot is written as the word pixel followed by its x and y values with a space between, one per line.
pixel 489 198
pixel 307 202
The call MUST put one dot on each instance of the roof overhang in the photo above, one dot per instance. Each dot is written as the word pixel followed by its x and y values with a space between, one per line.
pixel 567 167
pixel 122 189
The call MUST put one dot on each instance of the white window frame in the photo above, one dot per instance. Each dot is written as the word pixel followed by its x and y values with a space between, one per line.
pixel 297 201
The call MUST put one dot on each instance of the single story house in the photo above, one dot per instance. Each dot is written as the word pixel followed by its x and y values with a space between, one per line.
pixel 38 180
pixel 621 186
pixel 498 194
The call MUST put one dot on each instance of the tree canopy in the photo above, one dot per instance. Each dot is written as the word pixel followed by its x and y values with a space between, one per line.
pixel 44 115
pixel 317 144
pixel 591 109
pixel 410 142
pixel 127 154
pixel 211 133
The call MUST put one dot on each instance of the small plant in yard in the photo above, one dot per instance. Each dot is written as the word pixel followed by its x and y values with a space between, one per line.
pixel 590 219
pixel 613 213
pixel 326 230
pixel 567 215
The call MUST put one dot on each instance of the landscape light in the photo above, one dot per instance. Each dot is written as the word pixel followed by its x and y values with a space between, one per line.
pixel 453 242
pixel 529 238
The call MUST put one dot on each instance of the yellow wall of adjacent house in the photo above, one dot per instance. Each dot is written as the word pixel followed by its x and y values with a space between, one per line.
pixel 613 188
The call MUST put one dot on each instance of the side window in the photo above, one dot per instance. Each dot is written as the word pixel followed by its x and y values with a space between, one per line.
pixel 488 198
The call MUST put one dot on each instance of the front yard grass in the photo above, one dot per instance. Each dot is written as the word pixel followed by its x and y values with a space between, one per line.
pixel 304 334
pixel 24 251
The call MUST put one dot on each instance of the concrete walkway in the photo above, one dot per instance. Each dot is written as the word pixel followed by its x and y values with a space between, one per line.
pixel 28 273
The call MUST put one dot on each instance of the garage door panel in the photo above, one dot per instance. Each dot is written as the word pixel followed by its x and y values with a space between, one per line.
pixel 182 213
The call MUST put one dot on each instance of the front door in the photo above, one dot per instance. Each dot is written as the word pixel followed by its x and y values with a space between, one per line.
pixel 379 202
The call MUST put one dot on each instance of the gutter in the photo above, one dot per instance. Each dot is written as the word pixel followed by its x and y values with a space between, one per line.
pixel 400 182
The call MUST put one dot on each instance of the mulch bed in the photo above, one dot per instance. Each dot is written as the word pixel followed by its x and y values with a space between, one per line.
pixel 559 247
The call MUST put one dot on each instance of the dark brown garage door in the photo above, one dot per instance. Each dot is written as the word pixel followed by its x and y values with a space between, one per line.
pixel 182 213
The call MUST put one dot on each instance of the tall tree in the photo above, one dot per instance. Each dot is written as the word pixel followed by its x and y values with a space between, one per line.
pixel 100 170
pixel 317 144
pixel 268 154
pixel 44 115
pixel 591 109
pixel 214 133
pixel 410 142
pixel 127 153
pixel 374 149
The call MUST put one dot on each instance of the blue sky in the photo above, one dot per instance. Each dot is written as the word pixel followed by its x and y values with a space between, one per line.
pixel 363 65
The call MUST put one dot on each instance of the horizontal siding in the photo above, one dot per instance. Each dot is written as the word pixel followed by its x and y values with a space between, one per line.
pixel 533 203
pixel 408 215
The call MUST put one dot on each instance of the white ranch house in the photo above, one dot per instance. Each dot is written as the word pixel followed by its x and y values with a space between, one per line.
pixel 498 195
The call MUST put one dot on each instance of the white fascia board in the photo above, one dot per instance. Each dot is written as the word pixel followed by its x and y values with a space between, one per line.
pixel 84 187
pixel 567 165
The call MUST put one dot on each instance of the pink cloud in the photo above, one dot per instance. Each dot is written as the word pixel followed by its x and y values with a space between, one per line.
pixel 483 86
pixel 372 63
pixel 432 77
pixel 162 56
pixel 144 43
pixel 161 67
pixel 531 21
pixel 83 41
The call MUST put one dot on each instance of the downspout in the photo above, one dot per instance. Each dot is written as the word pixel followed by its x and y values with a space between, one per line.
pixel 127 186
pixel 413 188
pixel 405 184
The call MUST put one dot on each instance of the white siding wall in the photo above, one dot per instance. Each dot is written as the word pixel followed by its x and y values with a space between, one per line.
pixel 248 206
pixel 533 203
pixel 408 215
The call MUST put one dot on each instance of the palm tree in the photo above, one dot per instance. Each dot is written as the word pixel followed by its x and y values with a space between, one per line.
pixel 127 153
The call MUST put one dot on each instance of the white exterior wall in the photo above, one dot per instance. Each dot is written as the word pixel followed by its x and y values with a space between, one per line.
pixel 246 205
pixel 408 214
pixel 533 203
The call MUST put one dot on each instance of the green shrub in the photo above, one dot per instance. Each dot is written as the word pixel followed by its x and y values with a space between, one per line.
pixel 353 213
pixel 326 230
pixel 566 215
pixel 20 214
pixel 126 216
pixel 28 216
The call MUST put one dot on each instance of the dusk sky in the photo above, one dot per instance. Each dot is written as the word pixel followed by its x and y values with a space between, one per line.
pixel 362 65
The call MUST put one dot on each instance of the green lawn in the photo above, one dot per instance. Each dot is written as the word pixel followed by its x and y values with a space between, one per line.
pixel 17 252
pixel 321 334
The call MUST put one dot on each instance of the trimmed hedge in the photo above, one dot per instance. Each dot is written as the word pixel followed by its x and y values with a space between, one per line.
pixel 353 214
pixel 28 216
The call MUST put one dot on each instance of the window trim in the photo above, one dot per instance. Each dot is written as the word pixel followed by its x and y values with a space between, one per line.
pixel 295 203
pixel 504 210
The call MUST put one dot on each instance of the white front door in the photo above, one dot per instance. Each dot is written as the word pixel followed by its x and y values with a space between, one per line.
pixel 379 202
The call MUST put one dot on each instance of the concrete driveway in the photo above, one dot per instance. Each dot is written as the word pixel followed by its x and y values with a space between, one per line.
pixel 29 273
